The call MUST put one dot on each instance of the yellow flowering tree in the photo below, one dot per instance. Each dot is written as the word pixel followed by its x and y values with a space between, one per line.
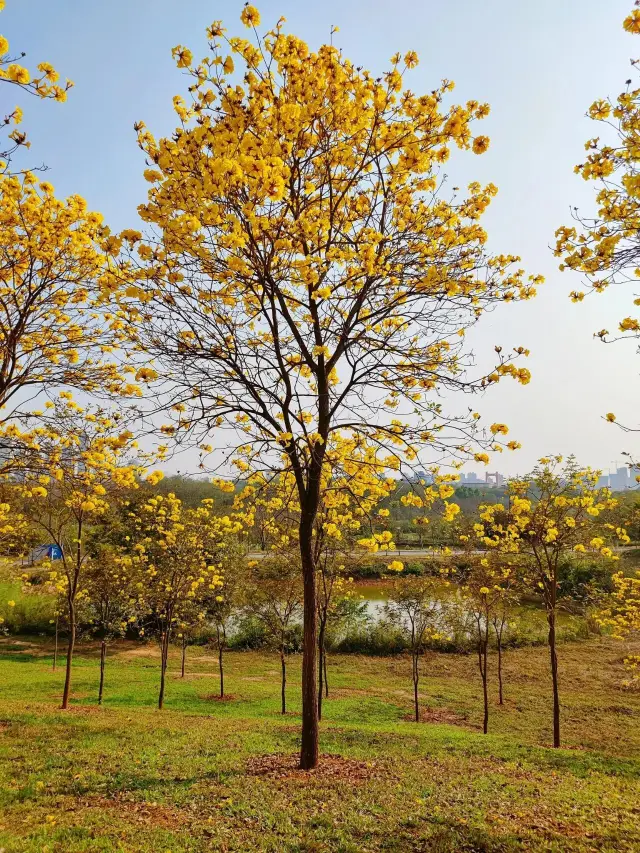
pixel 555 511
pixel 309 279
pixel 415 607
pixel 109 595
pixel 488 590
pixel 80 471
pixel 274 597
pixel 178 555
pixel 52 332
pixel 43 84
pixel 605 247
pixel 620 614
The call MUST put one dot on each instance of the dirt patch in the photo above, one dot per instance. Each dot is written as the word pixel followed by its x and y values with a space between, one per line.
pixel 440 715
pixel 285 766
pixel 216 697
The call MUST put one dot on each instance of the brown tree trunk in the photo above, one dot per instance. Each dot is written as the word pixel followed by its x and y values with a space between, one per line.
pixel 184 654
pixel 500 696
pixel 416 676
pixel 221 662
pixel 164 656
pixel 309 743
pixel 551 618
pixel 482 662
pixel 283 692
pixel 320 667
pixel 70 647
pixel 326 679
pixel 55 648
pixel 103 658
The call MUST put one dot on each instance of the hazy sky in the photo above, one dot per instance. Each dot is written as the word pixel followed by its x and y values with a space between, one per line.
pixel 538 64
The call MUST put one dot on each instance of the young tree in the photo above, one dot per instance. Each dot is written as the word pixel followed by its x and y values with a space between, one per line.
pixel 553 512
pixel 620 614
pixel 224 605
pixel 275 596
pixel 82 469
pixel 415 608
pixel 308 281
pixel 178 553
pixel 110 599
pixel 487 593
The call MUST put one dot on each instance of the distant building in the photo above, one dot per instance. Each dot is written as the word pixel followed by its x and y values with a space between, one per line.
pixel 621 480
pixel 603 482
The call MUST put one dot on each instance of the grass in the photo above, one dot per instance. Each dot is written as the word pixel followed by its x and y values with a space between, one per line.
pixel 206 775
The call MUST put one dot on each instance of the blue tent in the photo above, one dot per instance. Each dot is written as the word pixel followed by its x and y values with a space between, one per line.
pixel 51 552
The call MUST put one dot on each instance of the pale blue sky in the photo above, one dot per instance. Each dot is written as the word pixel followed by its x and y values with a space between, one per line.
pixel 538 64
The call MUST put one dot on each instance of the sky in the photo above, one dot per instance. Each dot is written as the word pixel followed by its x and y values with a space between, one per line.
pixel 540 65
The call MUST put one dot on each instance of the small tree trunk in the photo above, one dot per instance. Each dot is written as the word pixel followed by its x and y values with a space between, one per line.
pixel 55 648
pixel 283 694
pixel 221 663
pixel 164 655
pixel 320 666
pixel 485 722
pixel 326 680
pixel 416 676
pixel 499 642
pixel 70 647
pixel 103 658
pixel 184 654
pixel 551 618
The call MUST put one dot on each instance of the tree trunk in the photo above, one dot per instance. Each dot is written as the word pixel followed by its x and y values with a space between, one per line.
pixel 55 648
pixel 309 744
pixel 482 659
pixel 320 667
pixel 164 655
pixel 70 647
pixel 221 666
pixel 184 654
pixel 499 642
pixel 416 676
pixel 283 693
pixel 551 618
pixel 326 680
pixel 103 658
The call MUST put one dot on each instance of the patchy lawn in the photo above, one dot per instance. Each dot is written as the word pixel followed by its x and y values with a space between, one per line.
pixel 205 775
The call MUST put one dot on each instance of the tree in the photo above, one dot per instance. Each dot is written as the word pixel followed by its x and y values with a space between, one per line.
pixel 620 614
pixel 275 597
pixel 488 592
pixel 110 599
pixel 552 512
pixel 224 604
pixel 606 247
pixel 308 281
pixel 52 332
pixel 81 470
pixel 415 608
pixel 178 556
pixel 43 85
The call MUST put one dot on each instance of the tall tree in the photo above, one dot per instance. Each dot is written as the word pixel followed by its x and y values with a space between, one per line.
pixel 309 278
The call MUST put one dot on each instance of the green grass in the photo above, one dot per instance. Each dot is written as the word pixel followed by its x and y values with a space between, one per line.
pixel 199 775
